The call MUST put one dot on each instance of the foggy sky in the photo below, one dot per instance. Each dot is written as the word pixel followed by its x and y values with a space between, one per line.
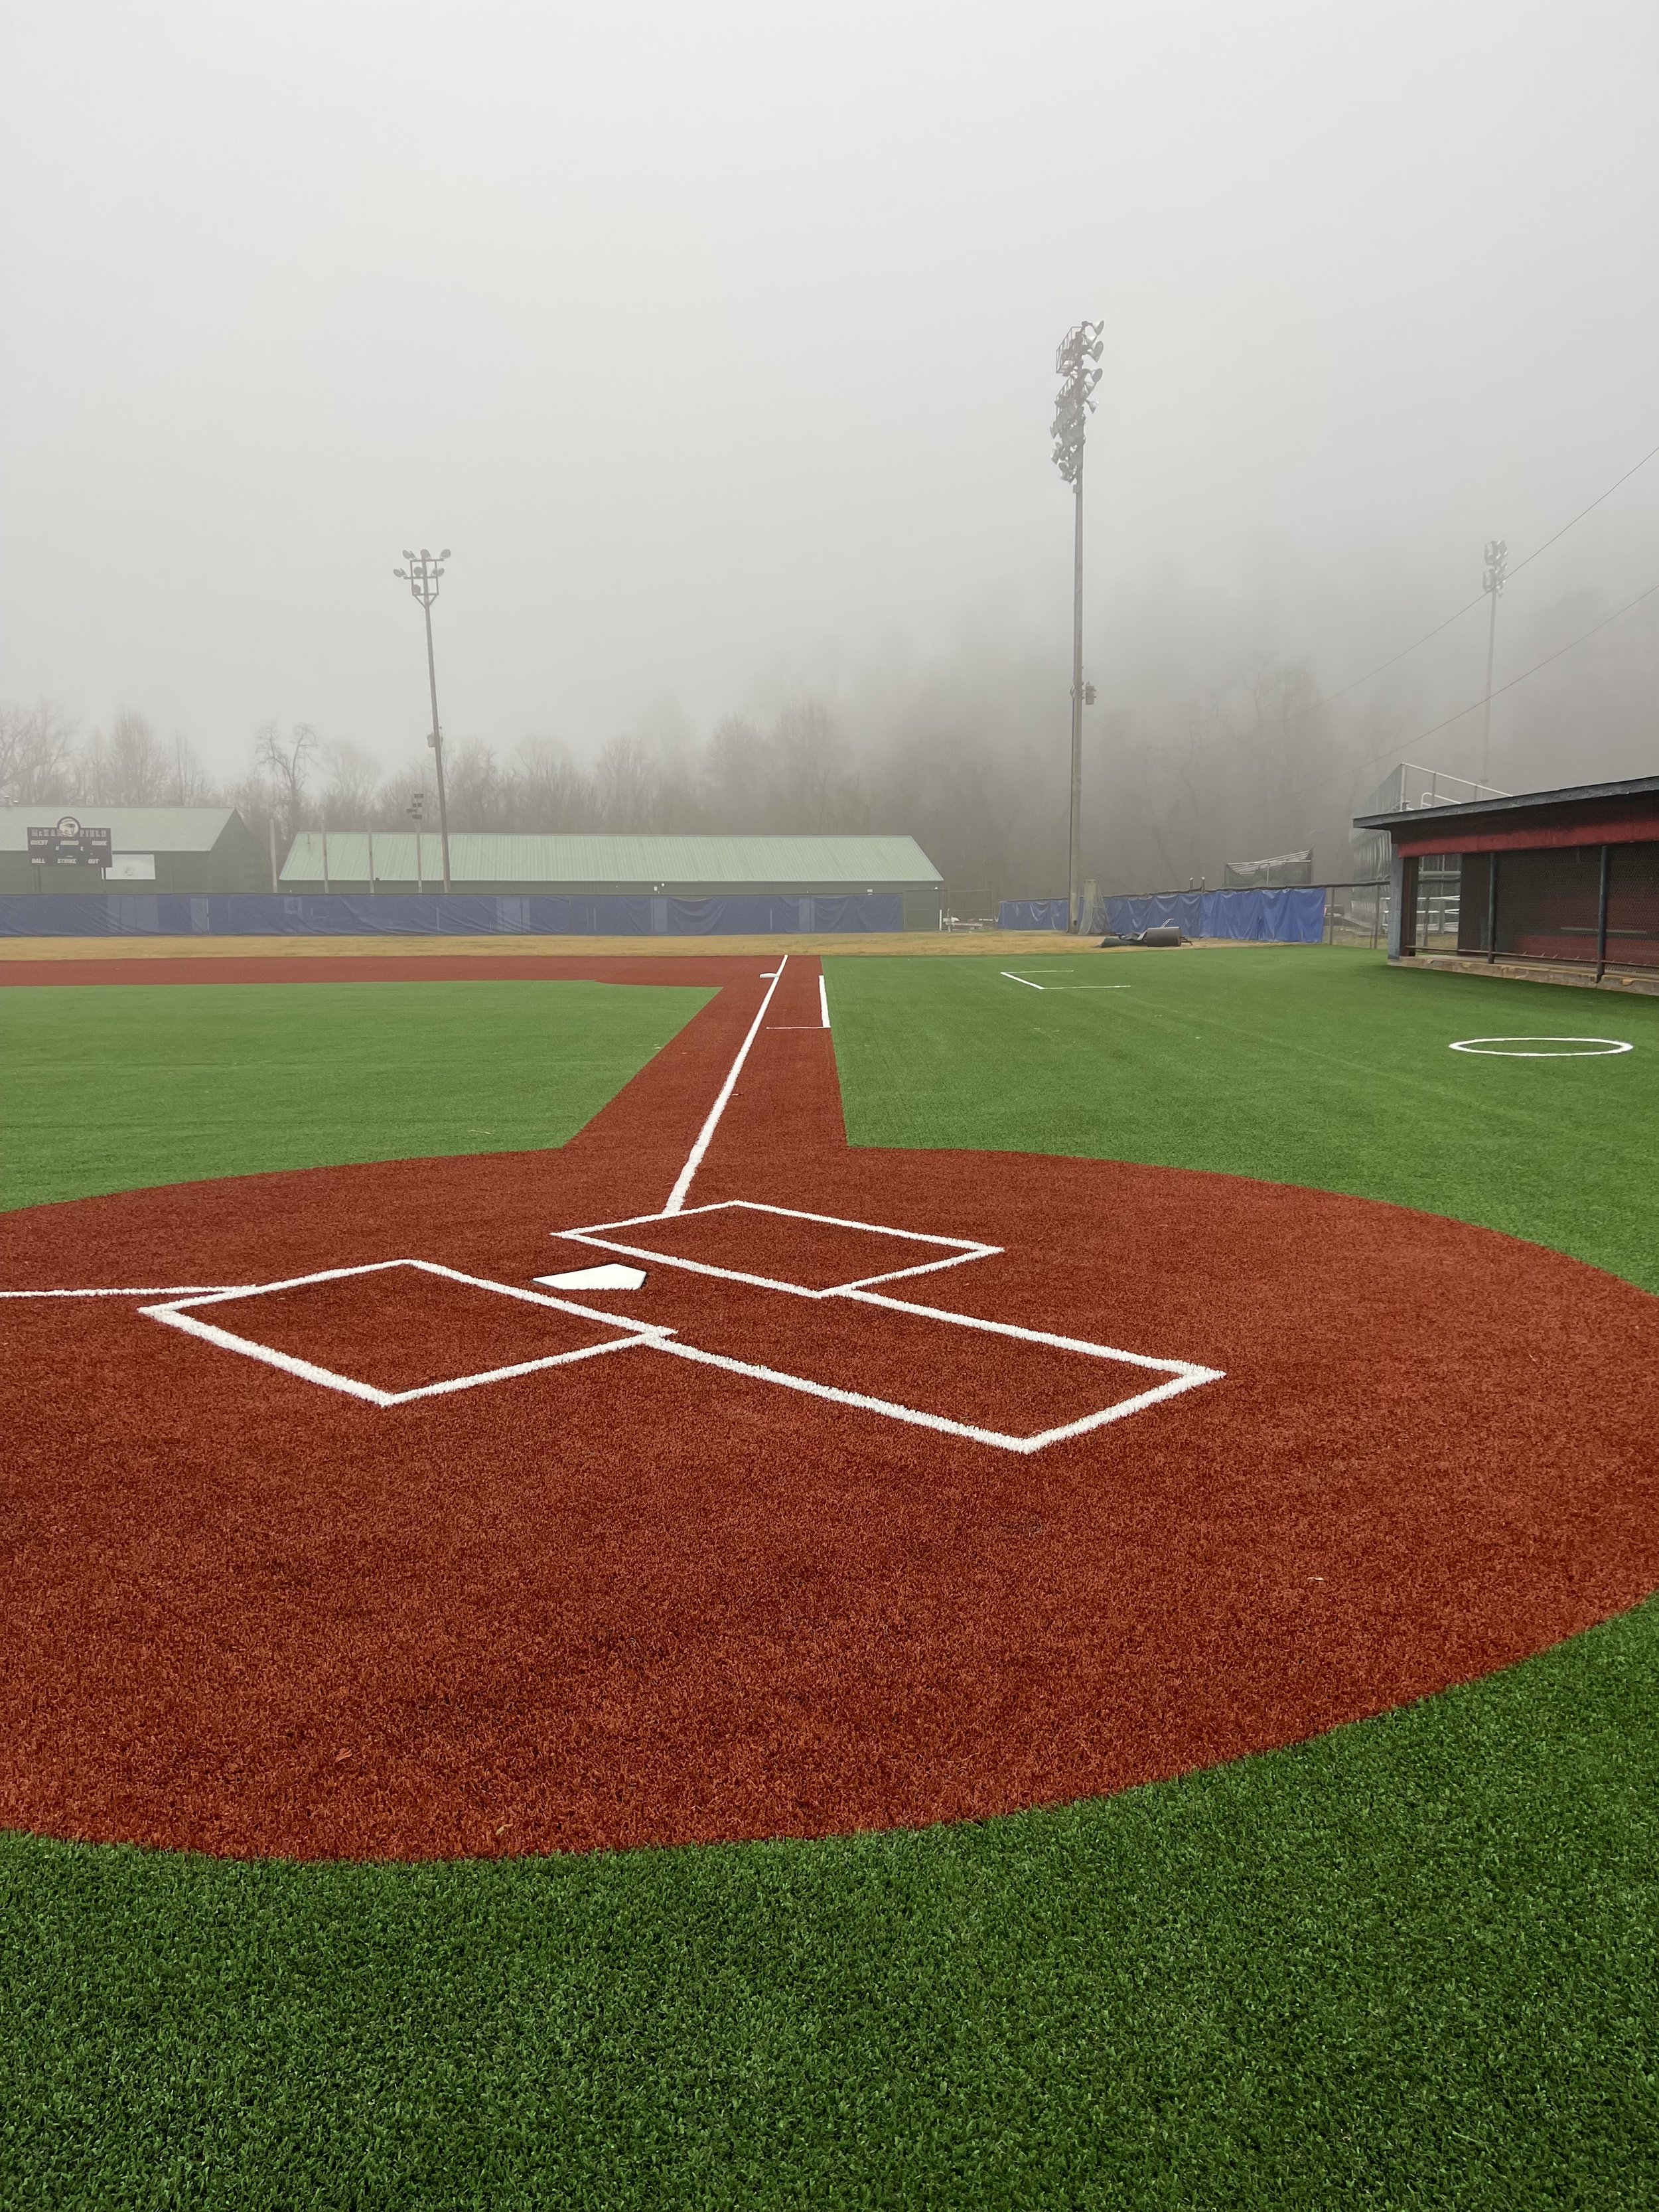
pixel 717 341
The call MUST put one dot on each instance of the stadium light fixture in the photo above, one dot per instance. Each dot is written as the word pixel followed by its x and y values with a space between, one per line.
pixel 422 576
pixel 1077 364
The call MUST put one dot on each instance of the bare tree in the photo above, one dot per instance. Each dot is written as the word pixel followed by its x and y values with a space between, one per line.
pixel 286 763
pixel 628 785
pixel 481 796
pixel 737 775
pixel 814 790
pixel 126 765
pixel 348 795
pixel 37 753
pixel 550 794
pixel 188 783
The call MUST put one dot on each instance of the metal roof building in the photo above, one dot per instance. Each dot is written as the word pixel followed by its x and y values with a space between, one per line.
pixel 162 848
pixel 682 868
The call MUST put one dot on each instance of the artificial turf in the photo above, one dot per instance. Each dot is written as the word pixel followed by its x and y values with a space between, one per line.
pixel 1305 1065
pixel 103 1088
pixel 1408 1964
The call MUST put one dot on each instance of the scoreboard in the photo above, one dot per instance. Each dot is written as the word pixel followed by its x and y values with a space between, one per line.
pixel 70 844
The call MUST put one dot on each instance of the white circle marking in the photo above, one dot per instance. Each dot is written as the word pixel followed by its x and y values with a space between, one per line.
pixel 1586 1047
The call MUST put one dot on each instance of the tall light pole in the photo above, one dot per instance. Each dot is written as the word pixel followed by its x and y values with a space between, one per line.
pixel 1075 363
pixel 421 576
pixel 1491 583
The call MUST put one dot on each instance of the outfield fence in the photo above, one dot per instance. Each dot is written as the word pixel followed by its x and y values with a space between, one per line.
pixel 169 914
pixel 1310 913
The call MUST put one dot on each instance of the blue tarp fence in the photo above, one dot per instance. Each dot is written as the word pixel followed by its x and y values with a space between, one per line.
pixel 178 914
pixel 1032 913
pixel 1263 917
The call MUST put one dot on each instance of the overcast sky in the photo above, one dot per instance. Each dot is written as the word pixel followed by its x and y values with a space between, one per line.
pixel 717 339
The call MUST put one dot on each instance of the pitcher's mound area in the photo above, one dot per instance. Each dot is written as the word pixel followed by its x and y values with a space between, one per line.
pixel 925 1487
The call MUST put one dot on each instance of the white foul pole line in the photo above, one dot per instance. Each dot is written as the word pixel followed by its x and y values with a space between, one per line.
pixel 677 1197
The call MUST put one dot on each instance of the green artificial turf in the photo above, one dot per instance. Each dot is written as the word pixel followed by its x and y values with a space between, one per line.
pixel 1410 1964
pixel 109 1088
pixel 1294 1064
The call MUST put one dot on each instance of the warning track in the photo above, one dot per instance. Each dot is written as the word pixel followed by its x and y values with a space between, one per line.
pixel 802 1536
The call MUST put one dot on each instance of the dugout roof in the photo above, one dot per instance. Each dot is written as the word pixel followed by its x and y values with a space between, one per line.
pixel 1623 812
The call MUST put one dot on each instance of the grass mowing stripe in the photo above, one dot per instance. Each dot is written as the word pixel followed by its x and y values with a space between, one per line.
pixel 1409 1964
pixel 105 1088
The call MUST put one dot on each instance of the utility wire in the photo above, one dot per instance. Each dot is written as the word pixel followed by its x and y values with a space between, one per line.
pixel 1330 697
pixel 1518 566
pixel 1396 745
pixel 1500 689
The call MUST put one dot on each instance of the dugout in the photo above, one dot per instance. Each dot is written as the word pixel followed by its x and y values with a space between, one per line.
pixel 679 882
pixel 149 848
pixel 1565 881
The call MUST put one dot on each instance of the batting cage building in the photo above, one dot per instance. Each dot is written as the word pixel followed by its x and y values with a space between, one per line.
pixel 659 885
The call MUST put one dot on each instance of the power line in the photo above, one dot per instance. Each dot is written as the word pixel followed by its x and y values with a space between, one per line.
pixel 1397 745
pixel 1330 697
pixel 1437 727
pixel 1579 517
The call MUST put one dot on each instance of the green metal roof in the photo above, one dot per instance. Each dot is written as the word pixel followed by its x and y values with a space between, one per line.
pixel 131 829
pixel 635 863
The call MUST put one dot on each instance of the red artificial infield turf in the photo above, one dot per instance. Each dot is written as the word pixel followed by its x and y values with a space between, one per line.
pixel 403 1328
pixel 634 1600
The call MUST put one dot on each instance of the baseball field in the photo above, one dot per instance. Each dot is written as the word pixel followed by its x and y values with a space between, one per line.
pixel 758 1579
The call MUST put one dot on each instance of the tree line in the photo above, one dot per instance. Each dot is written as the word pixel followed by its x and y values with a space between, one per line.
pixel 1201 750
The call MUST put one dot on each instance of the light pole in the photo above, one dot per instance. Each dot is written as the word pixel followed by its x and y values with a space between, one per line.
pixel 1075 363
pixel 1491 583
pixel 421 576
pixel 415 809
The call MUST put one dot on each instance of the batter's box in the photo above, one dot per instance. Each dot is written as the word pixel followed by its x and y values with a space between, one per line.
pixel 961 1374
pixel 400 1329
pixel 813 1255
pixel 989 1381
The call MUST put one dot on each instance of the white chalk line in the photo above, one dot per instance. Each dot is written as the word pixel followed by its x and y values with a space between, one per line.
pixel 159 1290
pixel 177 1304
pixel 677 1196
pixel 180 1314
pixel 1183 1374
pixel 1031 986
pixel 1489 1048
pixel 960 1248
pixel 912 1415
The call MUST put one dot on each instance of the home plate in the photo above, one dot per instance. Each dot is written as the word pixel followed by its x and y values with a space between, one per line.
pixel 612 1277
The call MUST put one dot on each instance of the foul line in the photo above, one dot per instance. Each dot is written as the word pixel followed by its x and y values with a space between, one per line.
pixel 823 999
pixel 163 1291
pixel 1026 979
pixel 677 1197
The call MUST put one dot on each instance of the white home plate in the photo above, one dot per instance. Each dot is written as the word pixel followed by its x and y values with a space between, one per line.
pixel 610 1278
